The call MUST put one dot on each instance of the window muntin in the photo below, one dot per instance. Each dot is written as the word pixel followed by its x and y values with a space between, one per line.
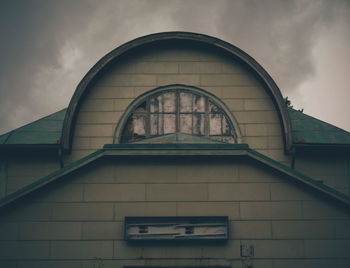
pixel 178 111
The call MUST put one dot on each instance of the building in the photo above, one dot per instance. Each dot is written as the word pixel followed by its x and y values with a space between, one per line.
pixel 176 150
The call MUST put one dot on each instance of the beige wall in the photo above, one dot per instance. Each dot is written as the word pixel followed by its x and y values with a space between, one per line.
pixel 19 170
pixel 330 168
pixel 214 72
pixel 81 218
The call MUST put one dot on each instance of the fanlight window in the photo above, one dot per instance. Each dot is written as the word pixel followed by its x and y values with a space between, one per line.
pixel 178 111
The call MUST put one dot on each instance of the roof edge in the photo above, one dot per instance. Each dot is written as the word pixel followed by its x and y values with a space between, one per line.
pixel 192 149
pixel 50 178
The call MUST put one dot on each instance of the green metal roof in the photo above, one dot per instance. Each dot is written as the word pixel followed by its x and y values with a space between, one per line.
pixel 309 130
pixel 305 130
pixel 46 130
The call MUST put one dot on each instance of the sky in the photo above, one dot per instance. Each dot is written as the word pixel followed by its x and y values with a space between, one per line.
pixel 47 46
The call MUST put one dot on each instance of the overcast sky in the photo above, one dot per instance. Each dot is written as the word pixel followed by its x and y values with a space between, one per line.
pixel 46 47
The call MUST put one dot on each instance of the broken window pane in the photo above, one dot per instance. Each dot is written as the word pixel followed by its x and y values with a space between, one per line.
pixel 169 123
pixel 198 124
pixel 215 124
pixel 160 104
pixel 185 102
pixel 213 108
pixel 154 125
pixel 186 123
pixel 139 124
pixel 141 108
pixel 226 128
pixel 154 105
pixel 128 131
pixel 198 103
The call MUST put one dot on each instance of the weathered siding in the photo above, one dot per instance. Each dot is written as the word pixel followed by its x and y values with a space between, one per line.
pixel 332 169
pixel 3 177
pixel 207 69
pixel 19 170
pixel 78 221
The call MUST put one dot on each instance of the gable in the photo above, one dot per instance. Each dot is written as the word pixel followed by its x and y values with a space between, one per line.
pixel 177 58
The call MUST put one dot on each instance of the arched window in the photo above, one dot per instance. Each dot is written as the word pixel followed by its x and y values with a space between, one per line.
pixel 179 111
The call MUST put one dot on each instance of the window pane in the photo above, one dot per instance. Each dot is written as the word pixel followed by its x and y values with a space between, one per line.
pixel 226 128
pixel 198 124
pixel 186 123
pixel 169 102
pixel 160 103
pixel 198 103
pixel 185 102
pixel 160 124
pixel 215 124
pixel 169 123
pixel 213 108
pixel 154 125
pixel 154 105
pixel 139 124
pixel 128 130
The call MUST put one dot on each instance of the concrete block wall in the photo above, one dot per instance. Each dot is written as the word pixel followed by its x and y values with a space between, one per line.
pixel 150 68
pixel 78 222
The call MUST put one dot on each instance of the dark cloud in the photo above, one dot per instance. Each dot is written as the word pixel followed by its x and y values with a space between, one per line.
pixel 47 46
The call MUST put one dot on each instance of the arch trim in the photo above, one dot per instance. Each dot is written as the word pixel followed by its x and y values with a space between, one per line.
pixel 103 63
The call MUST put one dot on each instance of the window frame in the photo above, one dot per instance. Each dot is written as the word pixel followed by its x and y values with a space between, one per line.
pixel 178 88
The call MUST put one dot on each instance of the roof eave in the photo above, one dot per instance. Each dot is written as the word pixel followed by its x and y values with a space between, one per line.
pixel 176 150
pixel 6 149
pixel 324 147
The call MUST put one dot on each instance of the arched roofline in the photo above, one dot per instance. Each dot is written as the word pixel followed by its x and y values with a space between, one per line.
pixel 103 63
pixel 136 102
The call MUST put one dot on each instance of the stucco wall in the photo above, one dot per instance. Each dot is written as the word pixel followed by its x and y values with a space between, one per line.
pixel 75 222
pixel 197 66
